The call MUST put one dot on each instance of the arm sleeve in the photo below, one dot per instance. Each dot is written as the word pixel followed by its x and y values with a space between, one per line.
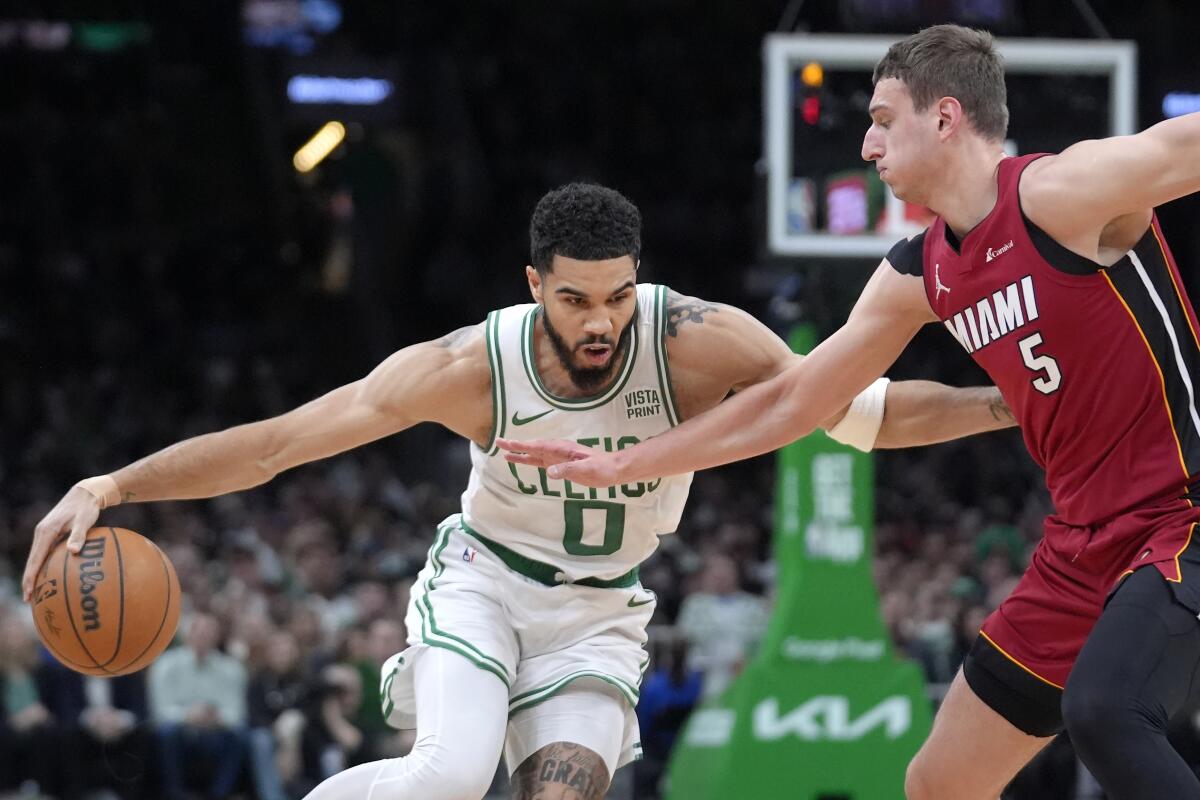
pixel 907 255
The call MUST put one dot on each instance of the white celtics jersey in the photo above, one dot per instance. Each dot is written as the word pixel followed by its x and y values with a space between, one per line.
pixel 585 533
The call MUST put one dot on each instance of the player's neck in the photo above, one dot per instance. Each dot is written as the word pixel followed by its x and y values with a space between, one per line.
pixel 968 188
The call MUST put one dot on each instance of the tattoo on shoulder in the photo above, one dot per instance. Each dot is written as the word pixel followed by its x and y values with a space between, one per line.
pixel 682 309
pixel 561 771
pixel 455 338
pixel 1000 410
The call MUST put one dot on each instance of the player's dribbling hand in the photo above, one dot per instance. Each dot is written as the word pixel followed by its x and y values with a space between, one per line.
pixel 75 514
pixel 565 459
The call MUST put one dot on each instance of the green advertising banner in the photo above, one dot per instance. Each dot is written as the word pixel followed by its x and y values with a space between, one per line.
pixel 825 711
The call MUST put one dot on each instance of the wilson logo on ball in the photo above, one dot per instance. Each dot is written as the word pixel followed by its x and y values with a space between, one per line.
pixel 109 609
pixel 90 573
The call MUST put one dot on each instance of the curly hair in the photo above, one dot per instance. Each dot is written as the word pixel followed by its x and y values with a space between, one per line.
pixel 584 221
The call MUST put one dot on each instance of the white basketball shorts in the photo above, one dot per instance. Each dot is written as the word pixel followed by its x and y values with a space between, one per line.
pixel 537 639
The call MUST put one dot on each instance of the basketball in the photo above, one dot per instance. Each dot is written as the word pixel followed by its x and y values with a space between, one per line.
pixel 111 609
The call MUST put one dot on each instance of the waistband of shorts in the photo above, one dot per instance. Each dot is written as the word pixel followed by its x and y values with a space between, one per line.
pixel 544 573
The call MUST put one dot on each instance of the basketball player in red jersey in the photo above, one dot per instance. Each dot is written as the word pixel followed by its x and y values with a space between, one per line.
pixel 1053 273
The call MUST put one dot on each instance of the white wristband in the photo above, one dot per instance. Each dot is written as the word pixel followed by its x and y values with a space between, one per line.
pixel 860 426
pixel 102 487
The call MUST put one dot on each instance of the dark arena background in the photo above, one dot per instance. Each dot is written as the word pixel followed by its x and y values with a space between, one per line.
pixel 212 212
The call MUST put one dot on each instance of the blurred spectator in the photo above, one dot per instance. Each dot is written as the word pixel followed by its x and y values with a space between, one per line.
pixel 198 703
pixel 721 623
pixel 669 694
pixel 305 625
pixel 30 740
pixel 384 638
pixel 1002 539
pixel 278 688
pixel 331 741
pixel 319 570
pixel 371 602
pixel 103 720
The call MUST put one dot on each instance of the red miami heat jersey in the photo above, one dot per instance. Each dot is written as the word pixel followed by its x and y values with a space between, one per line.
pixel 1096 363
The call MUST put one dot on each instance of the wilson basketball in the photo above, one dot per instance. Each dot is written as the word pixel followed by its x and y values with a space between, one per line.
pixel 111 609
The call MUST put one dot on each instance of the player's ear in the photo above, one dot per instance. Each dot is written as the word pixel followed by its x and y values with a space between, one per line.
pixel 535 283
pixel 949 116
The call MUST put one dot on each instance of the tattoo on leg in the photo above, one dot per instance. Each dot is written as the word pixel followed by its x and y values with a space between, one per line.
pixel 682 309
pixel 561 771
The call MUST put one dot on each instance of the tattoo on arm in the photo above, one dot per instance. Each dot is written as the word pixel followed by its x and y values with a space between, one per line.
pixel 682 309
pixel 455 338
pixel 1000 410
pixel 561 771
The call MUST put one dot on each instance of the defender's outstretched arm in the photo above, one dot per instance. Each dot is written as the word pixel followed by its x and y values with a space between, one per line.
pixel 797 396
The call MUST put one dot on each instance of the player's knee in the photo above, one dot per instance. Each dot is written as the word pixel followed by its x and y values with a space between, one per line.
pixel 1099 719
pixel 926 780
pixel 469 783
pixel 457 776
pixel 918 781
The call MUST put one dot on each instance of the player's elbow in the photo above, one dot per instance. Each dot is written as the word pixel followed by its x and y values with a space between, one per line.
pixel 792 405
pixel 270 453
pixel 262 471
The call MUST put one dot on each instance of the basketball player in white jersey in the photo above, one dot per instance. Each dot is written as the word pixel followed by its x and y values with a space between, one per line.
pixel 527 624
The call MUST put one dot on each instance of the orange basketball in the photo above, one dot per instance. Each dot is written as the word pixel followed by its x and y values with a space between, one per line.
pixel 111 609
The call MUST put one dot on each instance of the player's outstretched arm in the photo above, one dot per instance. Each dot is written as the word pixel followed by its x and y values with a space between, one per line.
pixel 715 349
pixel 780 410
pixel 924 412
pixel 886 415
pixel 440 381
pixel 916 413
pixel 1075 195
pixel 419 383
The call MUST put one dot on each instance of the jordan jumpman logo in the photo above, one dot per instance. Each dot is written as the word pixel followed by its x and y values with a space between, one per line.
pixel 937 282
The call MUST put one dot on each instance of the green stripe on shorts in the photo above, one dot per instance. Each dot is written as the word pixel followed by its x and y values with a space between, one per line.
pixel 428 621
pixel 543 693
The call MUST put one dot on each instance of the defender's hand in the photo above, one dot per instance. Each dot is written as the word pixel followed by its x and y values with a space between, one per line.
pixel 567 460
pixel 543 452
pixel 75 514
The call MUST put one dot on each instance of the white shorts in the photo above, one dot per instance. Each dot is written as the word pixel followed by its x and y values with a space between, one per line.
pixel 537 639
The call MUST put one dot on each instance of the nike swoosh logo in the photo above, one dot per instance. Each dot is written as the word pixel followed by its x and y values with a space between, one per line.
pixel 516 420
pixel 642 603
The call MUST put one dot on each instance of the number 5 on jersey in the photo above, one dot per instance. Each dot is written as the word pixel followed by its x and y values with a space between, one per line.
pixel 1048 382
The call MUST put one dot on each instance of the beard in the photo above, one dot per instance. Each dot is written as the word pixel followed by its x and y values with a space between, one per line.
pixel 588 378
